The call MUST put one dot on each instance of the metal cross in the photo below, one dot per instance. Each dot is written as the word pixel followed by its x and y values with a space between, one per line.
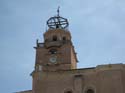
pixel 58 11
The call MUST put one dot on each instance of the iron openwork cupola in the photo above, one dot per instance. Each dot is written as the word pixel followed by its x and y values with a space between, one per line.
pixel 57 22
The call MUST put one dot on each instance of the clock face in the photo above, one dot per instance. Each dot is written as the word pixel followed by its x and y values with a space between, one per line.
pixel 53 59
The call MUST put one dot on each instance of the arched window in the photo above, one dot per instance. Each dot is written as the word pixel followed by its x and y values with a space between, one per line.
pixel 69 91
pixel 64 38
pixel 89 91
pixel 54 38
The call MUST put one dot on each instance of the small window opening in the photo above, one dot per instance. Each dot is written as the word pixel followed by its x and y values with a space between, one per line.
pixel 53 51
pixel 54 38
pixel 64 38
pixel 90 91
pixel 46 40
pixel 68 92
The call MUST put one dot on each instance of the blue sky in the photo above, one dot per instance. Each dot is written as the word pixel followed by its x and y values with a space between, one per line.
pixel 97 28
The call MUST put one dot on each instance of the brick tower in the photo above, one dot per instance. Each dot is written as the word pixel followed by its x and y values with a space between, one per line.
pixel 56 53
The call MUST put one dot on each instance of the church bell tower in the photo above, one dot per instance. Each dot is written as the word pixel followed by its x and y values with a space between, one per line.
pixel 57 51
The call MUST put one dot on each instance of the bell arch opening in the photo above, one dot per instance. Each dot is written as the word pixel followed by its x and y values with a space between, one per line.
pixel 89 91
pixel 69 91
pixel 54 38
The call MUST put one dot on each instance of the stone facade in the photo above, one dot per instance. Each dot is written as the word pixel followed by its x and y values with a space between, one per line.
pixel 101 79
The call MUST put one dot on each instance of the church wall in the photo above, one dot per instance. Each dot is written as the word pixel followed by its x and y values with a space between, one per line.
pixel 110 81
pixel 54 82
pixel 101 80
pixel 123 79
pixel 110 78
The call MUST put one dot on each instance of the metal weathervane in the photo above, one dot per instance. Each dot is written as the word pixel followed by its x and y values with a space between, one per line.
pixel 57 21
